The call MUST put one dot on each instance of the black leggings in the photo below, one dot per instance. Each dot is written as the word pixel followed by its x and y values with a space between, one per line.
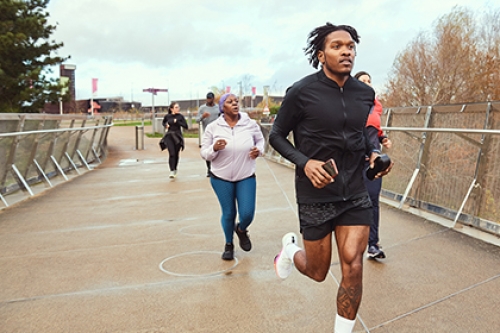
pixel 173 153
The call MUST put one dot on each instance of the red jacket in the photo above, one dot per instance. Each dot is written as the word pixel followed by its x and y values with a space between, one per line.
pixel 374 117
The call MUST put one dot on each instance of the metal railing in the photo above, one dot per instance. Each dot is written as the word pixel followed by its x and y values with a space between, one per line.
pixel 447 161
pixel 37 147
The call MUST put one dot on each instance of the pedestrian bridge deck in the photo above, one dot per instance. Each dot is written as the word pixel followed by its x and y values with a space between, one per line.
pixel 123 248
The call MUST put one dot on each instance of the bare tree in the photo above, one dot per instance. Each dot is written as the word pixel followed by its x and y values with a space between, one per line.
pixel 490 36
pixel 457 63
pixel 246 83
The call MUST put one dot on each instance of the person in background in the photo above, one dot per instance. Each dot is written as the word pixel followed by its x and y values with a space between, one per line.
pixel 378 139
pixel 232 143
pixel 173 122
pixel 93 107
pixel 327 113
pixel 206 114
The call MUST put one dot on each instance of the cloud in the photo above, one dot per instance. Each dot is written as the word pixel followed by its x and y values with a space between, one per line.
pixel 190 45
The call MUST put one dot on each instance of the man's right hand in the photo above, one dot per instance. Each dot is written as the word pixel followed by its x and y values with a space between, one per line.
pixel 316 174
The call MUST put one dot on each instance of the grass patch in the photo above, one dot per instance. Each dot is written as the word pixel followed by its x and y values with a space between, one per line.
pixel 190 134
pixel 130 123
pixel 155 135
pixel 185 134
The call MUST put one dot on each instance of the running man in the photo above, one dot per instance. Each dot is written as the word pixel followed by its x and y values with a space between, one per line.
pixel 327 113
pixel 207 113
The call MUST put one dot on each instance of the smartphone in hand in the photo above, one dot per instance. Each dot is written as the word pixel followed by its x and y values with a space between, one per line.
pixel 331 168
pixel 381 163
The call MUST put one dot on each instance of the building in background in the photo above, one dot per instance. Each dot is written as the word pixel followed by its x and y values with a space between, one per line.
pixel 66 77
pixel 67 74
pixel 108 105
pixel 193 104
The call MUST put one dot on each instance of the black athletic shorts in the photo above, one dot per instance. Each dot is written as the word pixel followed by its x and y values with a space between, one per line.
pixel 317 220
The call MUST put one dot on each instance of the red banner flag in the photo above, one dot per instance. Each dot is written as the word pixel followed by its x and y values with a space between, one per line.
pixel 94 86
pixel 228 89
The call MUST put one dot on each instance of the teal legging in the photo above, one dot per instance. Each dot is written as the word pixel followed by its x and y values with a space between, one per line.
pixel 230 194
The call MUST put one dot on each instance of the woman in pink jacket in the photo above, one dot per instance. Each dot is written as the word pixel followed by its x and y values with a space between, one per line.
pixel 232 143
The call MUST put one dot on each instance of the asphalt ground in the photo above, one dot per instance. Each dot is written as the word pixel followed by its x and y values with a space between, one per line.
pixel 123 248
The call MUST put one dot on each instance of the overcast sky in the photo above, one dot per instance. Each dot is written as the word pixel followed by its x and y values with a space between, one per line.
pixel 188 46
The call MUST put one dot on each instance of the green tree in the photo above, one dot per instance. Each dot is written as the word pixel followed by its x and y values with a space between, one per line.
pixel 26 56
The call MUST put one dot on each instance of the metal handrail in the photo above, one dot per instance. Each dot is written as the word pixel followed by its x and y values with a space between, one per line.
pixel 442 130
pixel 55 130
pixel 64 149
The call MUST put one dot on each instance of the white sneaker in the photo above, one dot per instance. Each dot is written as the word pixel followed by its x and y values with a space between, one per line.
pixel 282 264
pixel 172 174
pixel 175 173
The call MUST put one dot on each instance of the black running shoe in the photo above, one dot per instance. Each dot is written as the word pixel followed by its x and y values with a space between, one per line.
pixel 245 243
pixel 228 253
pixel 375 252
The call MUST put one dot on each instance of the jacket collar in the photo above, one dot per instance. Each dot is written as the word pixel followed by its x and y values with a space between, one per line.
pixel 244 119
pixel 322 77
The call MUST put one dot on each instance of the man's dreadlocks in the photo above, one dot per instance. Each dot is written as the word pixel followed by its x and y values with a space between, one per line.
pixel 316 40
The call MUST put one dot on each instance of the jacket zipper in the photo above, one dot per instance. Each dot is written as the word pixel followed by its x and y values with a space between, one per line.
pixel 344 187
pixel 234 145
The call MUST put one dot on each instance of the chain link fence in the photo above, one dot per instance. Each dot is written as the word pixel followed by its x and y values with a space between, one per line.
pixel 447 161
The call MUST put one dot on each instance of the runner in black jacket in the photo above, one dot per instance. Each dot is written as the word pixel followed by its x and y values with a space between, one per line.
pixel 327 122
pixel 174 121
pixel 327 113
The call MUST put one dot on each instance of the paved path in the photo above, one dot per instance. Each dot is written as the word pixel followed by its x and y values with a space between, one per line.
pixel 124 249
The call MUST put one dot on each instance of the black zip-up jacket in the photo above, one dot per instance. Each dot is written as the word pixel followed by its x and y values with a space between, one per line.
pixel 174 131
pixel 327 122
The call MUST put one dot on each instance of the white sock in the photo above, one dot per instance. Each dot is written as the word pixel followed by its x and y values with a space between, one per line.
pixel 291 249
pixel 343 325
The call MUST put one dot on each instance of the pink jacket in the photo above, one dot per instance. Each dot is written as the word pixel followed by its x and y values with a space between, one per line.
pixel 233 163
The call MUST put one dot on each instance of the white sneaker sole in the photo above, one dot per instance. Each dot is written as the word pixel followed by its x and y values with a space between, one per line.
pixel 278 262
pixel 380 255
pixel 283 273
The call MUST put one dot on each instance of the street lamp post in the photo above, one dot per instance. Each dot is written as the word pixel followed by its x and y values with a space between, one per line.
pixel 153 92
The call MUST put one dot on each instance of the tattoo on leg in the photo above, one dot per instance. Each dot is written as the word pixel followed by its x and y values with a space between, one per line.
pixel 348 300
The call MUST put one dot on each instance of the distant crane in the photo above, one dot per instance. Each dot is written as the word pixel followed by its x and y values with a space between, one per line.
pixel 153 92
